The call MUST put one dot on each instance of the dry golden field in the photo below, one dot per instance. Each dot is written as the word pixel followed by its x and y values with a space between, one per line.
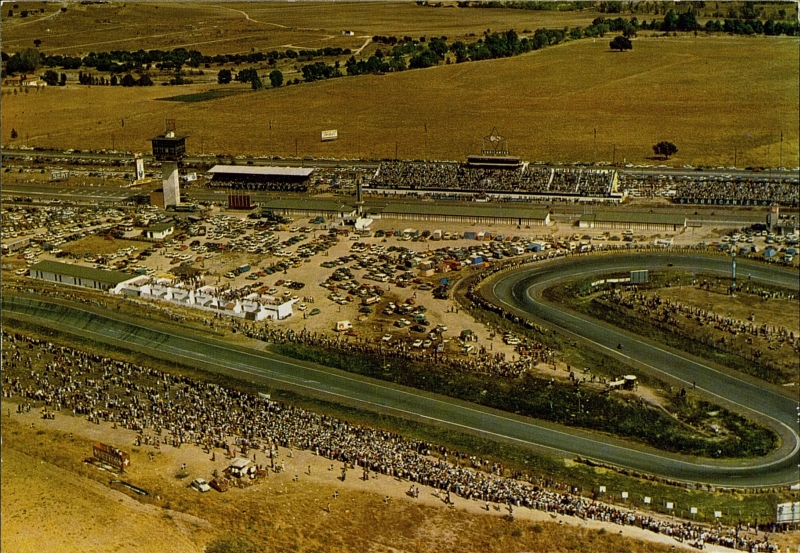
pixel 711 96
pixel 237 27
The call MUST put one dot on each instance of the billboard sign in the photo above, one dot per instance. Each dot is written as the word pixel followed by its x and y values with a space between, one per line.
pixel 59 176
pixel 139 168
pixel 111 456
pixel 788 513
pixel 327 136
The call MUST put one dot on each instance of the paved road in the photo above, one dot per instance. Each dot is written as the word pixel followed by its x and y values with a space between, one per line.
pixel 179 344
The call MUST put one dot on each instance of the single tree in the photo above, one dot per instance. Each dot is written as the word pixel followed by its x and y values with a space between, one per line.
pixel 145 80
pixel 37 42
pixel 128 80
pixel 256 83
pixel 276 78
pixel 670 21
pixel 621 43
pixel 665 149
pixel 224 76
pixel 50 77
pixel 246 75
pixel 14 134
pixel 63 79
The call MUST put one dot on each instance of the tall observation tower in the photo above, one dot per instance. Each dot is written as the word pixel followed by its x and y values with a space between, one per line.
pixel 169 149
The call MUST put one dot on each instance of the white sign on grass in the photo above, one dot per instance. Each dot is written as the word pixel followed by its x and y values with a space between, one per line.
pixel 647 500
pixel 329 135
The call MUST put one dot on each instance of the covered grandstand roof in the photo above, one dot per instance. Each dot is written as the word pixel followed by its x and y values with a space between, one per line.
pixel 267 171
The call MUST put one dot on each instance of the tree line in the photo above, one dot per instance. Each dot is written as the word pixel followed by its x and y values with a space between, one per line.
pixel 716 10
pixel 127 80
pixel 123 61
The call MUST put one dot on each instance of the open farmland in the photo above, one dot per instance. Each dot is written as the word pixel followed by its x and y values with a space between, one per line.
pixel 222 28
pixel 711 96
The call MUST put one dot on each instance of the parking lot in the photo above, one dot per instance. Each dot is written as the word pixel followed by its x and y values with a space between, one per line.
pixel 389 285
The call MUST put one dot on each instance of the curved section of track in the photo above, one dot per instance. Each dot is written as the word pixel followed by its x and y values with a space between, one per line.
pixel 182 345
pixel 519 291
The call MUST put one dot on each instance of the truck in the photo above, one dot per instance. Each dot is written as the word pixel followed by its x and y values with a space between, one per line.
pixel 243 269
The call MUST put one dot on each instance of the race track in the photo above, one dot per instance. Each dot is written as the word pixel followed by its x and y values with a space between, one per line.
pixel 517 290
pixel 520 292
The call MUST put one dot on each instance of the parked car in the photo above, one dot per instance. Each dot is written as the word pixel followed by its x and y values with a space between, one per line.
pixel 200 485
pixel 314 311
pixel 219 484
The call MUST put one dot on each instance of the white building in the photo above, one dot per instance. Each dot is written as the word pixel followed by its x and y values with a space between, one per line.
pixel 159 231
pixel 253 307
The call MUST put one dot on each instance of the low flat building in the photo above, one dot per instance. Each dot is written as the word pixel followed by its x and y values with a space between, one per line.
pixel 309 207
pixel 159 231
pixel 77 275
pixel 634 221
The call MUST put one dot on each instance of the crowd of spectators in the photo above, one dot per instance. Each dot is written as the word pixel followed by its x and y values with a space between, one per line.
pixel 260 185
pixel 670 311
pixel 714 190
pixel 523 179
pixel 484 362
pixel 737 191
pixel 168 409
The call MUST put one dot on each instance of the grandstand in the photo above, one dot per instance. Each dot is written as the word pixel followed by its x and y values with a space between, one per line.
pixel 493 177
pixel 284 179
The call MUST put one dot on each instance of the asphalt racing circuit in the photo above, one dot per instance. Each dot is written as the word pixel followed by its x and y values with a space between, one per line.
pixel 518 291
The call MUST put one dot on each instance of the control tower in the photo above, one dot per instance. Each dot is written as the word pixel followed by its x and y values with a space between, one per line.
pixel 169 149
